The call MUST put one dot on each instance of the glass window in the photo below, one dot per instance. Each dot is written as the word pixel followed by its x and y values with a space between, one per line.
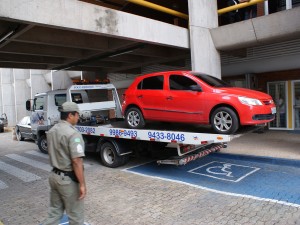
pixel 179 82
pixel 152 83
pixel 278 92
pixel 24 120
pixel 39 103
pixel 212 81
pixel 61 98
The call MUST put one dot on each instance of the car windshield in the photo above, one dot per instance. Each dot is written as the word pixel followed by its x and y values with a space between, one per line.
pixel 212 81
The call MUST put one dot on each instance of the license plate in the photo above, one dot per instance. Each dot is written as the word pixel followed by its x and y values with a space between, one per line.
pixel 273 109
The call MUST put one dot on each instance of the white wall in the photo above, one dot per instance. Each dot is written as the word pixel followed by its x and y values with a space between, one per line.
pixel 39 83
pixel 14 91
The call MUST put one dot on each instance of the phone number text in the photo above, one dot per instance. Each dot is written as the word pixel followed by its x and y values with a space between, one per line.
pixel 169 136
pixel 90 130
pixel 123 133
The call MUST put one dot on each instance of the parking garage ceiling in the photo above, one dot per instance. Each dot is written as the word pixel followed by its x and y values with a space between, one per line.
pixel 31 46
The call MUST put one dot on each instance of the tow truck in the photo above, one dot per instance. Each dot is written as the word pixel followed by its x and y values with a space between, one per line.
pixel 108 136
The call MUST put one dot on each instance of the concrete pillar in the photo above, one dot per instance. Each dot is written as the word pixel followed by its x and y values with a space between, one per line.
pixel 202 17
pixel 21 92
pixel 8 95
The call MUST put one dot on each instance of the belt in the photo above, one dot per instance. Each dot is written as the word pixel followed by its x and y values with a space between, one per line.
pixel 58 171
pixel 70 174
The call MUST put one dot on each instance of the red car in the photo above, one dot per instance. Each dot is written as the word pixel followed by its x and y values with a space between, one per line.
pixel 190 97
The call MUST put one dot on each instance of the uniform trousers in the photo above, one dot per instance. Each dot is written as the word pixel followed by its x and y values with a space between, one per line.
pixel 64 195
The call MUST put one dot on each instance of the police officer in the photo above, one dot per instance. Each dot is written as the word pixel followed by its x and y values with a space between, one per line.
pixel 67 184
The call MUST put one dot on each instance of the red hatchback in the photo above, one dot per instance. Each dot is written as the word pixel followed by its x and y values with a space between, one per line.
pixel 190 97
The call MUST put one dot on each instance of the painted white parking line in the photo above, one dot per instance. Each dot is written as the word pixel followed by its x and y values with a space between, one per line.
pixel 39 154
pixel 3 186
pixel 46 156
pixel 30 162
pixel 17 172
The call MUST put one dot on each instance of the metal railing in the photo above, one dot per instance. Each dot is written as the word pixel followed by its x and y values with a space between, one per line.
pixel 288 4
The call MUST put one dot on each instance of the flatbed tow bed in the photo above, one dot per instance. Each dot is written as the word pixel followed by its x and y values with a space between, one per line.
pixel 189 145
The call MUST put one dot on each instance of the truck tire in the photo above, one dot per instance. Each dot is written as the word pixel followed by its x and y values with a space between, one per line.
pixel 110 157
pixel 42 143
pixel 134 118
pixel 224 121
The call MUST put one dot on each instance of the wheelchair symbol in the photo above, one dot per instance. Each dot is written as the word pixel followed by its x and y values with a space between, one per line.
pixel 224 170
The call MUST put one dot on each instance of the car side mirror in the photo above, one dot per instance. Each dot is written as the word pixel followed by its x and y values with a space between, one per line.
pixel 195 88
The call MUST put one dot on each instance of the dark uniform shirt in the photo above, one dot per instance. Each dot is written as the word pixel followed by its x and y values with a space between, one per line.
pixel 64 144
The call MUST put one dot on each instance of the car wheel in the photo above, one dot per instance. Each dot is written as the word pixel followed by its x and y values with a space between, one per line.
pixel 19 135
pixel 110 157
pixel 134 118
pixel 42 144
pixel 224 121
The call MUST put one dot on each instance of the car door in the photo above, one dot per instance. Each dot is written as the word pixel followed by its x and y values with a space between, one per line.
pixel 185 101
pixel 27 127
pixel 150 97
pixel 22 127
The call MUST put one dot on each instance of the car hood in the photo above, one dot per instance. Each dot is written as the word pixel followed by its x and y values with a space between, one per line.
pixel 243 92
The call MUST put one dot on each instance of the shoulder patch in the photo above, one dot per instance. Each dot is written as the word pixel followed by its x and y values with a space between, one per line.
pixel 77 140
pixel 79 148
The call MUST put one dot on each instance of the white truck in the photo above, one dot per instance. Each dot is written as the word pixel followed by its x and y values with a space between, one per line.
pixel 106 134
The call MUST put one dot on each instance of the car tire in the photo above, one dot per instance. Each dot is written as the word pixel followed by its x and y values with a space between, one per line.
pixel 224 121
pixel 42 144
pixel 110 157
pixel 1 130
pixel 134 118
pixel 19 135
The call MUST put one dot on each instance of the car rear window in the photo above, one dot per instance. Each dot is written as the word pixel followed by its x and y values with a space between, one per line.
pixel 152 83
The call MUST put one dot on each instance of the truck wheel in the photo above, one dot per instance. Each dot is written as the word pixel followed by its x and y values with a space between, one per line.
pixel 224 121
pixel 134 118
pixel 110 157
pixel 42 143
pixel 19 136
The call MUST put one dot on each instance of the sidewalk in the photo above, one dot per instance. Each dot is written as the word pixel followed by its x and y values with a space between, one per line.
pixel 270 143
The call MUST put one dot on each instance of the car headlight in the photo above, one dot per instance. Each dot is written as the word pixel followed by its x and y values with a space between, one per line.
pixel 249 101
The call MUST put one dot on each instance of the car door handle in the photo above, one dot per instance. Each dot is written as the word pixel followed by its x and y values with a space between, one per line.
pixel 140 96
pixel 169 98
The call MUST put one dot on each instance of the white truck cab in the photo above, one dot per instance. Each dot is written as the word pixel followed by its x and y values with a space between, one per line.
pixel 44 107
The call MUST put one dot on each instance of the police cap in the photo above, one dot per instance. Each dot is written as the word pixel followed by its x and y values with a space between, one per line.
pixel 68 107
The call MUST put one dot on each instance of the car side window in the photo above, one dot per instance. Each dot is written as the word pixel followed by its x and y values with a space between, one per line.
pixel 152 83
pixel 23 121
pixel 27 120
pixel 179 82
pixel 39 103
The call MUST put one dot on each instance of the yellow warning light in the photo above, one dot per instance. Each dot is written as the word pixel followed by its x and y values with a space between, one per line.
pixel 220 138
pixel 97 81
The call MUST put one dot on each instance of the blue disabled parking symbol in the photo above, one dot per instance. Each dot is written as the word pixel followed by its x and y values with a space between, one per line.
pixel 224 171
